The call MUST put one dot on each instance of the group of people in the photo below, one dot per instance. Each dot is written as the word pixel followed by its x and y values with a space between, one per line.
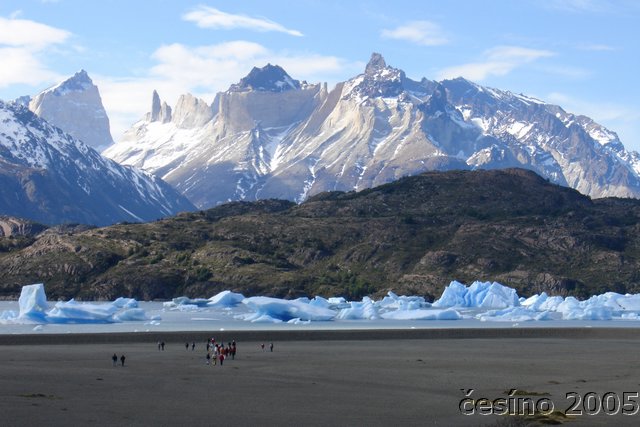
pixel 218 352
pixel 114 359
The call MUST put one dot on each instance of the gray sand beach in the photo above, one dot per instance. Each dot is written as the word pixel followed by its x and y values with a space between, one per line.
pixel 341 378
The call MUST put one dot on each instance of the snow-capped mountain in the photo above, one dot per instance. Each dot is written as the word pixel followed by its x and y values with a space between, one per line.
pixel 75 107
pixel 48 176
pixel 270 136
pixel 570 150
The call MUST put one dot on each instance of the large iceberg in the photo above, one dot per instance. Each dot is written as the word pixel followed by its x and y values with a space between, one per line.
pixel 222 299
pixel 364 310
pixel 35 309
pixel 225 299
pixel 402 302
pixel 479 294
pixel 33 303
pixel 275 309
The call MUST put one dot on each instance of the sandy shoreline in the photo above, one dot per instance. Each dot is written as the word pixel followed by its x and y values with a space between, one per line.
pixel 319 334
pixel 348 378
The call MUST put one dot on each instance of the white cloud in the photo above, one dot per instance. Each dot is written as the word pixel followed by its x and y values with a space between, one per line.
pixel 30 34
pixel 423 33
pixel 19 66
pixel 209 17
pixel 22 48
pixel 203 71
pixel 499 62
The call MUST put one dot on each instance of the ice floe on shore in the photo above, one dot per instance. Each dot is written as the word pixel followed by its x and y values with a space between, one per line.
pixel 482 301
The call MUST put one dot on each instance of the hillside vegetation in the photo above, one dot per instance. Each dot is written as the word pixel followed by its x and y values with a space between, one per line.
pixel 412 236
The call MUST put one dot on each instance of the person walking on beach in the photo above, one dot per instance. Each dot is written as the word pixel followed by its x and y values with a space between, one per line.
pixel 122 360
pixel 158 345
pixel 193 346
pixel 162 345
pixel 271 347
pixel 186 346
pixel 208 357
pixel 114 358
pixel 221 357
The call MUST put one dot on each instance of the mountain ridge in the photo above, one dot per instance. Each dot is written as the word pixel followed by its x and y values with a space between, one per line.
pixel 374 128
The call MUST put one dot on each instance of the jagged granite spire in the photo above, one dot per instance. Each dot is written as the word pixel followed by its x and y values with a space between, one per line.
pixel 160 111
pixel 191 112
pixel 75 106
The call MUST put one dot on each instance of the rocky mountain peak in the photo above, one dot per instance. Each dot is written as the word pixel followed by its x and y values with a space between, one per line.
pixel 270 78
pixel 79 82
pixel 75 106
pixel 375 64
pixel 378 80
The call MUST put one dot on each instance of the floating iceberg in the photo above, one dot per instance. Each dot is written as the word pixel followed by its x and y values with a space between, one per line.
pixel 365 310
pixel 33 303
pixel 182 302
pixel 541 302
pixel 393 301
pixel 222 299
pixel 35 309
pixel 285 310
pixel 479 294
pixel 225 299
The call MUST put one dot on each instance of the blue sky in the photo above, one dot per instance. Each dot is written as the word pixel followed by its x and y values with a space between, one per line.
pixel 580 54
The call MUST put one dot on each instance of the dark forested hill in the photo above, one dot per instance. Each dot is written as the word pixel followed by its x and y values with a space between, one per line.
pixel 411 236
